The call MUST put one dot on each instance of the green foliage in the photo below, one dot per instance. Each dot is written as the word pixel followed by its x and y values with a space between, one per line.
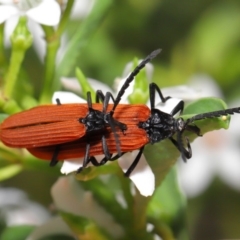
pixel 16 233
pixel 196 37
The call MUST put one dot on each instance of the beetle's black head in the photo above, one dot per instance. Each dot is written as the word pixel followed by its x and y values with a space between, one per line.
pixel 161 125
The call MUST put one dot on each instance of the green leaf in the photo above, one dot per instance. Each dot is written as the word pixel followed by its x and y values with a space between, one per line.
pixel 167 207
pixel 10 171
pixel 167 201
pixel 84 228
pixel 16 232
pixel 139 94
pixel 85 85
pixel 208 105
pixel 57 237
pixel 3 116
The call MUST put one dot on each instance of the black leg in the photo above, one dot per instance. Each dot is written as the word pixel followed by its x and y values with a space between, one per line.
pixel 105 160
pixel 135 162
pixel 178 108
pixel 85 159
pixel 185 153
pixel 99 96
pixel 58 101
pixel 194 129
pixel 54 159
pixel 89 100
pixel 105 148
pixel 153 87
pixel 94 161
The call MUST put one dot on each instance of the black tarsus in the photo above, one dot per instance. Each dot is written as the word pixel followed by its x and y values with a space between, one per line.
pixel 54 159
pixel 58 101
pixel 85 159
pixel 89 100
pixel 134 163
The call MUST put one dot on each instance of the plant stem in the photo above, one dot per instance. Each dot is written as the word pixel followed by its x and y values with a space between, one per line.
pixel 65 17
pixel 2 57
pixel 53 43
pixel 21 40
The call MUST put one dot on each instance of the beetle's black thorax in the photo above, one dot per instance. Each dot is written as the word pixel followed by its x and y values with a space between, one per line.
pixel 159 126
pixel 95 120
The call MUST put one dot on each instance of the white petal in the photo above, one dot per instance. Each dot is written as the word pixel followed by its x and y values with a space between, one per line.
pixel 28 213
pixel 54 226
pixel 196 175
pixel 183 92
pixel 24 210
pixel 39 42
pixel 205 84
pixel 47 12
pixel 228 166
pixel 7 2
pixel 97 85
pixel 234 124
pixel 81 8
pixel 11 196
pixel 71 84
pixel 7 12
pixel 227 154
pixel 71 165
pixel 168 106
pixel 68 196
pixel 67 97
pixel 142 176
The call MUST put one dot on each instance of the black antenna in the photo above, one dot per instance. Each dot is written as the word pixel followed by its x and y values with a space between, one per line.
pixel 219 113
pixel 132 75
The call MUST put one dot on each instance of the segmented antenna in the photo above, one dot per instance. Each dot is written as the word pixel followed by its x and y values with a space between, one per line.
pixel 220 113
pixel 133 74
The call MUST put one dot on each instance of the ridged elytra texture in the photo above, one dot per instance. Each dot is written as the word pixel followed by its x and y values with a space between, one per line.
pixel 50 125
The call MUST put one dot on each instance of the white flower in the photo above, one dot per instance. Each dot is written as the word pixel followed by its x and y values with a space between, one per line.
pixel 17 209
pixel 69 197
pixel 55 225
pixel 46 12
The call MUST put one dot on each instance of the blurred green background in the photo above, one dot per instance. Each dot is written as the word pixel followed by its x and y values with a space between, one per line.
pixel 197 36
